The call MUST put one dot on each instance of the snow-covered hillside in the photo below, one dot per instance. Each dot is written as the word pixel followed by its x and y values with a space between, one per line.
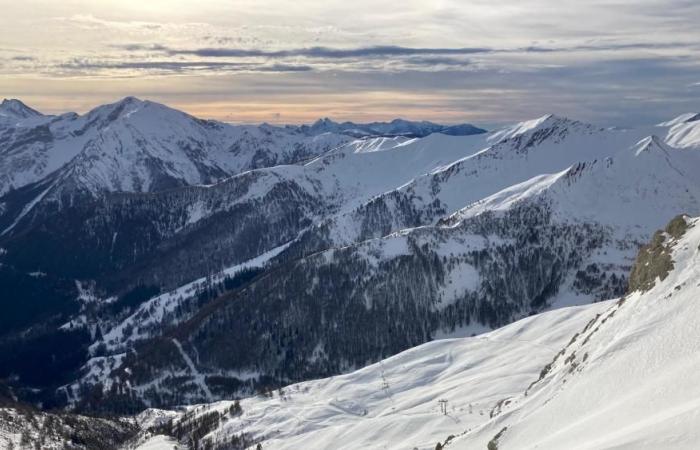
pixel 626 380
pixel 683 131
pixel 24 428
pixel 393 404
pixel 386 242
pixel 616 374
pixel 466 171
pixel 543 214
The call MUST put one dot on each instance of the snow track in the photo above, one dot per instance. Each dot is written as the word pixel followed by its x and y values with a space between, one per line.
pixel 199 379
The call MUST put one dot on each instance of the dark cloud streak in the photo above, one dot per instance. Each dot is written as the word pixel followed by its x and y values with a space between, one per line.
pixel 181 66
pixel 384 51
pixel 310 52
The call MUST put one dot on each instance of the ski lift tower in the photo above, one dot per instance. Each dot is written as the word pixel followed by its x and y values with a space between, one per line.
pixel 443 406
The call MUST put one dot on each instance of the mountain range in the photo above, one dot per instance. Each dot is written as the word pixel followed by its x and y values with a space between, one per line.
pixel 397 127
pixel 612 374
pixel 182 260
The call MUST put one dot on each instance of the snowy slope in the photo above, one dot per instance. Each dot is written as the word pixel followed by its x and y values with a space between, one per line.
pixel 617 374
pixel 466 232
pixel 683 131
pixel 632 190
pixel 394 404
pixel 626 380
pixel 466 170
pixel 623 181
pixel 552 240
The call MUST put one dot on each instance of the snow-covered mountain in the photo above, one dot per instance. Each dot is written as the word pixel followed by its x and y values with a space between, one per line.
pixel 139 146
pixel 683 131
pixel 165 235
pixel 13 110
pixel 625 380
pixel 543 214
pixel 613 374
pixel 397 127
pixel 394 403
pixel 23 427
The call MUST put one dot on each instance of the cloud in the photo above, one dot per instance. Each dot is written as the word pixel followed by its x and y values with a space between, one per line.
pixel 82 65
pixel 90 21
pixel 393 51
pixel 606 47
pixel 141 47
pixel 437 61
pixel 620 62
pixel 327 52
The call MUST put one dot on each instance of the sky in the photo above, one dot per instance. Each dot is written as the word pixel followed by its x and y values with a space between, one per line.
pixel 246 61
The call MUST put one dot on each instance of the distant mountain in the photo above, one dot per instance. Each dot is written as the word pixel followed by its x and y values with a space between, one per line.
pixel 397 127
pixel 11 109
pixel 140 146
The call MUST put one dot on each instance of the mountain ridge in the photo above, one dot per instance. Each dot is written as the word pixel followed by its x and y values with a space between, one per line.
pixel 412 238
pixel 396 127
pixel 505 389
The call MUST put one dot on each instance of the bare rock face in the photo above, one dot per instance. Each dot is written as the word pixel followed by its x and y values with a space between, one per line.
pixel 654 260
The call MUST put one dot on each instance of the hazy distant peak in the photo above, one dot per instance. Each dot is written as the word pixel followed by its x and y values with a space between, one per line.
pixel 16 109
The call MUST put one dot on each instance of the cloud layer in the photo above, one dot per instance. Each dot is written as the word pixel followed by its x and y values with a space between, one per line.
pixel 624 61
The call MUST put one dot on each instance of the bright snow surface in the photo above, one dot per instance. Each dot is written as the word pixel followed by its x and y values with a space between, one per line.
pixel 637 387
pixel 630 384
pixel 394 404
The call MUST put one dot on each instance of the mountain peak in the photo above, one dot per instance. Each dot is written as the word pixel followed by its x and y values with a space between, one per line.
pixel 694 118
pixel 683 131
pixel 649 144
pixel 122 108
pixel 683 118
pixel 529 126
pixel 15 108
pixel 130 99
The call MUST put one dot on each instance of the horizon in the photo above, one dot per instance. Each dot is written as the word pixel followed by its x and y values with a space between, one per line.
pixel 487 127
pixel 627 63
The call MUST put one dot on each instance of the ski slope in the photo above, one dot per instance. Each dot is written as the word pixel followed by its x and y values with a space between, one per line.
pixel 631 382
pixel 617 374
pixel 394 404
